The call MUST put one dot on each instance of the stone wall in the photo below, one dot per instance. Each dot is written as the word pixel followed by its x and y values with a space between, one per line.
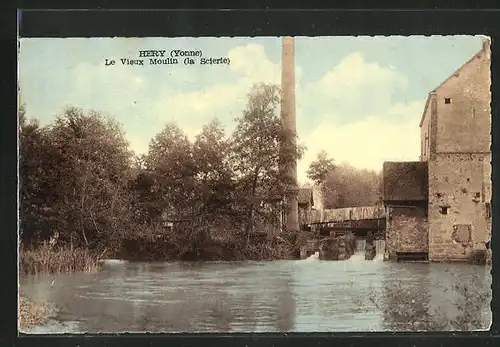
pixel 459 167
pixel 463 108
pixel 425 129
pixel 456 138
pixel 459 205
pixel 406 230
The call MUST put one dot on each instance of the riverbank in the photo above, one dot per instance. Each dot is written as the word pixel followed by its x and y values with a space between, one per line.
pixel 33 313
pixel 163 247
pixel 47 259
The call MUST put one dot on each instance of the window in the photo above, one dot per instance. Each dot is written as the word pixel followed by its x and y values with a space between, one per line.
pixel 443 209
pixel 447 100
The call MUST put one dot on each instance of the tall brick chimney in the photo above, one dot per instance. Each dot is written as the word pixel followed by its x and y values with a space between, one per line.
pixel 289 167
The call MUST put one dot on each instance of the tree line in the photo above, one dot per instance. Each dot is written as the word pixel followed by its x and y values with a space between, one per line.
pixel 80 180
pixel 344 185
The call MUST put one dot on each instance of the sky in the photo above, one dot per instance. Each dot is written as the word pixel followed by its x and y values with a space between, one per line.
pixel 358 98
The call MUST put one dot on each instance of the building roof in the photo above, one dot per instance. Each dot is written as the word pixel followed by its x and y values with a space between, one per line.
pixel 405 181
pixel 427 101
pixel 484 49
pixel 305 196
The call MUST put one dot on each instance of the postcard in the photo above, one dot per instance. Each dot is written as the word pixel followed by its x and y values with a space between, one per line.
pixel 265 184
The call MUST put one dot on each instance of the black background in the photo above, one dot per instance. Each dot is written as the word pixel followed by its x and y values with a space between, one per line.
pixel 259 21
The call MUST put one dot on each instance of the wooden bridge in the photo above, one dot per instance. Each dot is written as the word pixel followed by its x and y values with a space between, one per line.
pixel 360 220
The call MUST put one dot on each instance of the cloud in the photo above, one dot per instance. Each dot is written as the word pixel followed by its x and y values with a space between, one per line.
pixel 358 121
pixel 114 89
pixel 353 88
pixel 353 73
pixel 202 104
pixel 249 63
pixel 349 111
pixel 126 92
pixel 369 142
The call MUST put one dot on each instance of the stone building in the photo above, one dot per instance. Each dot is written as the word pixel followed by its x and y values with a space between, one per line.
pixel 455 144
pixel 455 152
pixel 405 199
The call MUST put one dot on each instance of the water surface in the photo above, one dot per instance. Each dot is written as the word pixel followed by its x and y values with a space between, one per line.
pixel 277 296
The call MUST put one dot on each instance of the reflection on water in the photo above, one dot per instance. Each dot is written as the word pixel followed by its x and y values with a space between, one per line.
pixel 304 296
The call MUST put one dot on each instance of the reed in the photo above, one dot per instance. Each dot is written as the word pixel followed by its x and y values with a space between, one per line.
pixel 46 259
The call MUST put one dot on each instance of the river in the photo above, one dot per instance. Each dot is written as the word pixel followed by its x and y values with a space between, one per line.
pixel 277 296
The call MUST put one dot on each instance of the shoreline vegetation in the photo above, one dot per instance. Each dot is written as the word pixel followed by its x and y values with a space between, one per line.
pixel 85 194
pixel 46 259
pixel 33 313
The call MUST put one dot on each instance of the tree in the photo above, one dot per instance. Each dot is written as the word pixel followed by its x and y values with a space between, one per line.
pixel 320 168
pixel 347 186
pixel 256 149
pixel 172 168
pixel 36 190
pixel 146 209
pixel 89 167
pixel 213 171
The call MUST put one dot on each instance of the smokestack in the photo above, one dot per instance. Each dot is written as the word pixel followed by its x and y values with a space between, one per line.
pixel 289 167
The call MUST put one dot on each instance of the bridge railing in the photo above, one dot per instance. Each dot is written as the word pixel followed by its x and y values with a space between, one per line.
pixel 349 214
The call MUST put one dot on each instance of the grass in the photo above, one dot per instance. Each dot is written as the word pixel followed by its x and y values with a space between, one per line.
pixel 32 313
pixel 46 259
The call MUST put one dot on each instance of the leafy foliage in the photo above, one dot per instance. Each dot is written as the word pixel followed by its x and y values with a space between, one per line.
pixel 171 166
pixel 214 175
pixel 320 168
pixel 347 186
pixel 73 175
pixel 82 187
pixel 257 151
pixel 344 185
